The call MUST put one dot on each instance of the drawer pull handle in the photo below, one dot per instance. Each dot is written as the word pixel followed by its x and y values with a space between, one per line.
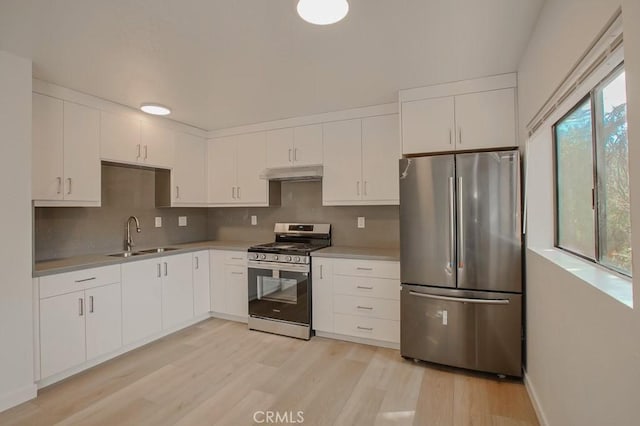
pixel 369 308
pixel 85 280
pixel 237 273
pixel 364 288
pixel 364 269
pixel 237 258
pixel 365 328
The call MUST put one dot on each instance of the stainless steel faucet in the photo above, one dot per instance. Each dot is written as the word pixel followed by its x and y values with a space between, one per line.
pixel 129 241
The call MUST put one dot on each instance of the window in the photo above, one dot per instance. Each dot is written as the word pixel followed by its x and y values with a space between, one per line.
pixel 592 177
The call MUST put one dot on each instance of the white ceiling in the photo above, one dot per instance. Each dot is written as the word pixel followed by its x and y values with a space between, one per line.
pixel 223 63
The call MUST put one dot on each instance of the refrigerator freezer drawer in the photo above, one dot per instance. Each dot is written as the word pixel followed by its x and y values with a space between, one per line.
pixel 468 329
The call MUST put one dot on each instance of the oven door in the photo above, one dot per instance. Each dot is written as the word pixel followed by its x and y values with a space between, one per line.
pixel 280 291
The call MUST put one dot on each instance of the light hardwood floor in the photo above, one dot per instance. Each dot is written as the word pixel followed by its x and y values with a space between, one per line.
pixel 219 373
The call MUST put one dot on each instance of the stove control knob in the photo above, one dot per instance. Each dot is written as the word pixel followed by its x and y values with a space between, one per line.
pixel 275 257
pixel 288 258
pixel 296 259
pixel 256 255
pixel 263 256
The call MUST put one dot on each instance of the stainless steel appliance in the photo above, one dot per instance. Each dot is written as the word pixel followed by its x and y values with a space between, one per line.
pixel 460 261
pixel 280 279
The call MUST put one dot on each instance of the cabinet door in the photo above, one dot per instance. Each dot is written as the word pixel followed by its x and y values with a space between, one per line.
pixel 380 156
pixel 177 290
pixel 342 180
pixel 141 299
pixel 104 320
pixel 428 126
pixel 217 274
pixel 280 148
pixel 221 168
pixel 47 150
pixel 252 160
pixel 307 145
pixel 486 120
pixel 201 283
pixel 190 170
pixel 119 138
pixel 62 333
pixel 81 153
pixel 322 297
pixel 237 290
pixel 158 145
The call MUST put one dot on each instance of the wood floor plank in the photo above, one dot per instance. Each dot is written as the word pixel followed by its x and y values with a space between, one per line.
pixel 219 372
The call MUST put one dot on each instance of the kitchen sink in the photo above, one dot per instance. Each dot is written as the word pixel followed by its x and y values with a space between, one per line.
pixel 127 254
pixel 158 250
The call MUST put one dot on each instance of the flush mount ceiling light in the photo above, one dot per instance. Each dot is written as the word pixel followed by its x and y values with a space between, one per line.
pixel 323 12
pixel 155 109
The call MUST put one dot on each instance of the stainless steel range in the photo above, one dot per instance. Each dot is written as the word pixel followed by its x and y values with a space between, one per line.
pixel 280 279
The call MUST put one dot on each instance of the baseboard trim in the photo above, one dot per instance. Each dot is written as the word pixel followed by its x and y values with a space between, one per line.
pixel 354 339
pixel 229 317
pixel 17 397
pixel 542 419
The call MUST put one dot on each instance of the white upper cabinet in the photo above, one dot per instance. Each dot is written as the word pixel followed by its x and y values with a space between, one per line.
pixel 235 164
pixel 380 155
pixel 189 176
pixel 280 148
pixel 428 125
pixel 120 138
pixel 361 161
pixel 486 119
pixel 295 146
pixel 342 180
pixel 127 139
pixel 466 115
pixel 157 145
pixel 66 162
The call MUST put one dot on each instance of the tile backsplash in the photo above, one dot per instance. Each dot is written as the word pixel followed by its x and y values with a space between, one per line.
pixel 126 191
pixel 71 231
pixel 302 202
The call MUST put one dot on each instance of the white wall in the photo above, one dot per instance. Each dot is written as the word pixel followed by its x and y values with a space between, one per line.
pixel 16 304
pixel 583 347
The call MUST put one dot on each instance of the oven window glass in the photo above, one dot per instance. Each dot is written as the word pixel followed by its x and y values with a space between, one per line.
pixel 277 289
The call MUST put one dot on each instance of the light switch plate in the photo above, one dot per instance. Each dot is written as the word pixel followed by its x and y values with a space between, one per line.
pixel 158 222
pixel 182 221
pixel 254 220
pixel 360 221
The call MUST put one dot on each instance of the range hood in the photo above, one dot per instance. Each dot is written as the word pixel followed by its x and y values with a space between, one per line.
pixel 307 173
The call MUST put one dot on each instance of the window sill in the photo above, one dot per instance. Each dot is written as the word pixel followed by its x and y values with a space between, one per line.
pixel 618 287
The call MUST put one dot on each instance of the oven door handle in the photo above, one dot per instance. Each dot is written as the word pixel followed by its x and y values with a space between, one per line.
pixel 275 266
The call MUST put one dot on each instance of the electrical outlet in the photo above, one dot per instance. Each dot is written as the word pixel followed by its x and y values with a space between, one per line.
pixel 182 221
pixel 158 222
pixel 254 220
pixel 360 221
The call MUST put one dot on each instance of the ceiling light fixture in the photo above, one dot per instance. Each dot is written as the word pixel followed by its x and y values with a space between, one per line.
pixel 155 109
pixel 323 12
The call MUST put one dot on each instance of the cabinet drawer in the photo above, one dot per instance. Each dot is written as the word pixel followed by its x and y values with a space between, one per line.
pixel 368 328
pixel 367 268
pixel 367 307
pixel 384 288
pixel 53 285
pixel 235 258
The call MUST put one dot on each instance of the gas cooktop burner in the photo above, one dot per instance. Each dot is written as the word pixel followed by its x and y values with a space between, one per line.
pixel 296 239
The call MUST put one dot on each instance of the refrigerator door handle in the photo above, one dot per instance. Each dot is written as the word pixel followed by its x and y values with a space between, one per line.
pixel 461 299
pixel 452 220
pixel 460 225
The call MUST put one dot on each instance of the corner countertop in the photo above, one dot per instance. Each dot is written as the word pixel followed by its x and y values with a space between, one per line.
pixel 76 263
pixel 358 253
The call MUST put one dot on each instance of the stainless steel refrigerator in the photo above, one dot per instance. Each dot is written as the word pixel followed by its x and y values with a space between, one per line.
pixel 460 261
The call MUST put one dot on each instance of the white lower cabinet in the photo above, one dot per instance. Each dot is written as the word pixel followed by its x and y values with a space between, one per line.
pixel 79 318
pixel 357 298
pixel 141 299
pixel 177 290
pixel 201 284
pixel 229 283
